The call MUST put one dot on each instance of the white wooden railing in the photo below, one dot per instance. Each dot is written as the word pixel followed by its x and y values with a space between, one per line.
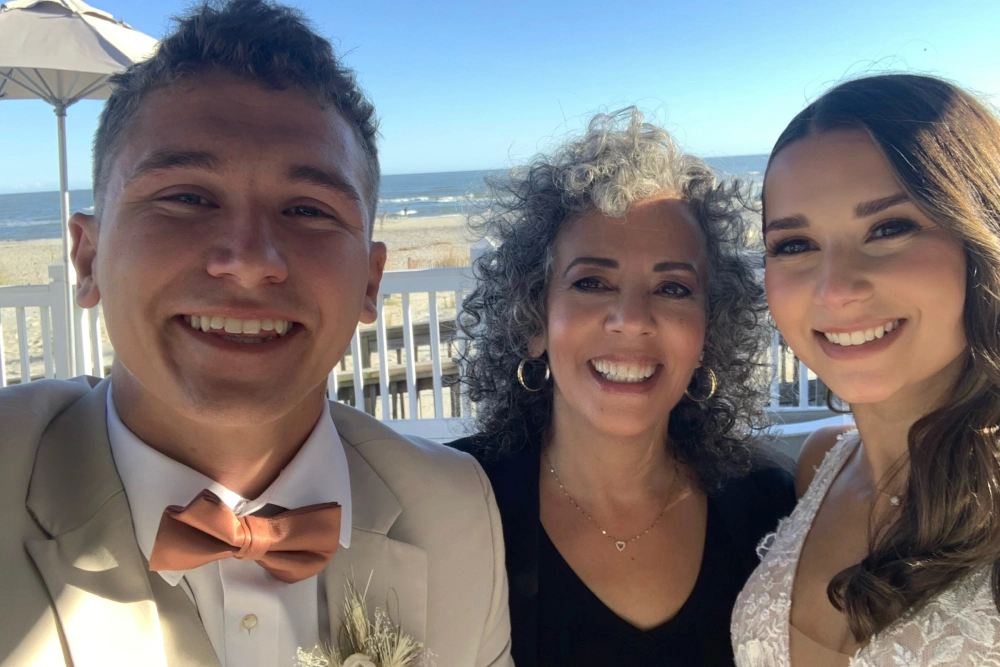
pixel 792 385
pixel 394 369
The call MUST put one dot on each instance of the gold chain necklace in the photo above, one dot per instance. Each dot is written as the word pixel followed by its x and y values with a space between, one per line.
pixel 619 544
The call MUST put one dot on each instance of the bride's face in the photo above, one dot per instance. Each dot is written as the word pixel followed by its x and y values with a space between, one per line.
pixel 864 287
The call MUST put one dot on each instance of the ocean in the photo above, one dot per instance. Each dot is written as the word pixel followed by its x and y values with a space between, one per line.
pixel 35 215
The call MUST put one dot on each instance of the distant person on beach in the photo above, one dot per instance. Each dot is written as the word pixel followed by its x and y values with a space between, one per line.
pixel 206 504
pixel 616 329
pixel 882 228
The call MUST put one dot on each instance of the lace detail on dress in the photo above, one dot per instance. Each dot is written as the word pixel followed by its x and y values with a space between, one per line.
pixel 958 628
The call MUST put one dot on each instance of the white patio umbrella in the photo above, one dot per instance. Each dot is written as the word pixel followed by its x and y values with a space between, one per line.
pixel 62 51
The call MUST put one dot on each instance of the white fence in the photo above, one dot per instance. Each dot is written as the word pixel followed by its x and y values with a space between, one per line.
pixel 396 369
pixel 41 338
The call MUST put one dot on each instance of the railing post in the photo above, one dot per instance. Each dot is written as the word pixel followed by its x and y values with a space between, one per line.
pixel 46 325
pixel 60 326
pixel 803 385
pixel 24 349
pixel 411 358
pixel 383 359
pixel 775 370
pixel 435 332
pixel 96 344
pixel 81 342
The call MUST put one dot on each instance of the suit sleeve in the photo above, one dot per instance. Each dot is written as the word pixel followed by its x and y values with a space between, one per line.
pixel 494 649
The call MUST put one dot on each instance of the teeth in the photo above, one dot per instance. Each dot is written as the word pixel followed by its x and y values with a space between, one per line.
pixel 861 337
pixel 234 326
pixel 619 372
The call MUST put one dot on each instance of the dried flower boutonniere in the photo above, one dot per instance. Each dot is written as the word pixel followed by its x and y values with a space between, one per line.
pixel 366 640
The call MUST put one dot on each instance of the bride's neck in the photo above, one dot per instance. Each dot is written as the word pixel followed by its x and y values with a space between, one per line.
pixel 885 426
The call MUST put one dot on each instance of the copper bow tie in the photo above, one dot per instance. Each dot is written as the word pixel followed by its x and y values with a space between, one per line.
pixel 292 545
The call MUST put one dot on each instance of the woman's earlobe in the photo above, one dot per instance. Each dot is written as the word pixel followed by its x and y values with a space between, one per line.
pixel 537 346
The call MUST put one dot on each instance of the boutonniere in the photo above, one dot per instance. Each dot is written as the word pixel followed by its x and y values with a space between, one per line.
pixel 366 640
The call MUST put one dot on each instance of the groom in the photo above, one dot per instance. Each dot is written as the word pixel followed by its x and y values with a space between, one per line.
pixel 184 511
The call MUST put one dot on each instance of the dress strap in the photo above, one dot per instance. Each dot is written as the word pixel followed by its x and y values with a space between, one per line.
pixel 829 468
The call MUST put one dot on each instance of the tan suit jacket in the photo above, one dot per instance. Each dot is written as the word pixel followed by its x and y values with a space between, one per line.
pixel 75 588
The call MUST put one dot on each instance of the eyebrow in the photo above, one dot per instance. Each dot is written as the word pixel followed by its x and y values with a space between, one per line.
pixel 167 159
pixel 608 263
pixel 790 222
pixel 325 179
pixel 868 208
pixel 862 210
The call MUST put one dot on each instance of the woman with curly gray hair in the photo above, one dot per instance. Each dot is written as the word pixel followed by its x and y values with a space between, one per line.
pixel 616 330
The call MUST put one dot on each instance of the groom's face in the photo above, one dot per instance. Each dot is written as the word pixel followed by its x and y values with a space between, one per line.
pixel 232 257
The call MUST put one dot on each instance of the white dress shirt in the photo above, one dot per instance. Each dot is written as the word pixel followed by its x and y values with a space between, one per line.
pixel 250 617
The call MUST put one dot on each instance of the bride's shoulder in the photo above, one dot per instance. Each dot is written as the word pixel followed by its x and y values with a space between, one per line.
pixel 814 449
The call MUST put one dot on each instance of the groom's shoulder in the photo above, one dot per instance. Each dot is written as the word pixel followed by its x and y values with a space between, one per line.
pixel 24 408
pixel 406 462
pixel 26 411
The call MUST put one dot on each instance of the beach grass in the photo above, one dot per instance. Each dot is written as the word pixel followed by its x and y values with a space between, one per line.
pixel 452 257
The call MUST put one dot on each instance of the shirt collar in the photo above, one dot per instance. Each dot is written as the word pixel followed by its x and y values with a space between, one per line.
pixel 153 481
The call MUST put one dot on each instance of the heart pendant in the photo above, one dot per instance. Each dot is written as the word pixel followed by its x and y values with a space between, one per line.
pixel 620 545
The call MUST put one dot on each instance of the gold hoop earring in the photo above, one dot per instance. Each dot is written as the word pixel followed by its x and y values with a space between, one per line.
pixel 713 384
pixel 520 374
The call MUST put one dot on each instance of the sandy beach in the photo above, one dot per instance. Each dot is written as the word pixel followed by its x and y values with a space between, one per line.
pixel 413 243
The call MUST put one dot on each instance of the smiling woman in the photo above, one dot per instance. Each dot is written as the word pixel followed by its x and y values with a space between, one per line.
pixel 882 226
pixel 615 332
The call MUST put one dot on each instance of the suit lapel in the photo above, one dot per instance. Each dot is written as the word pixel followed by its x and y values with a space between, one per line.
pixel 93 568
pixel 397 570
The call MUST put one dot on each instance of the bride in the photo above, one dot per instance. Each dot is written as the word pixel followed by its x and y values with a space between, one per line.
pixel 882 229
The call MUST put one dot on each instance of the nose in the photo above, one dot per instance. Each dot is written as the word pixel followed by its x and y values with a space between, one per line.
pixel 841 278
pixel 631 314
pixel 245 249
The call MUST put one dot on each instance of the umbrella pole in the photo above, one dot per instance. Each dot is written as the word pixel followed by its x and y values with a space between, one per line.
pixel 60 110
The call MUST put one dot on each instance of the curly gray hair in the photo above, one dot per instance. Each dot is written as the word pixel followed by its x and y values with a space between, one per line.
pixel 620 160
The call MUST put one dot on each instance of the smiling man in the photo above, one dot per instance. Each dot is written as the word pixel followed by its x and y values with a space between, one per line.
pixel 206 504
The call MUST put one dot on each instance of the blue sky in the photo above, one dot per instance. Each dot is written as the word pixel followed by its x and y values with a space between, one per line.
pixel 485 84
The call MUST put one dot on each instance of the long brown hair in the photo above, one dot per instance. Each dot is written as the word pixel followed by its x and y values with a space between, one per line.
pixel 943 146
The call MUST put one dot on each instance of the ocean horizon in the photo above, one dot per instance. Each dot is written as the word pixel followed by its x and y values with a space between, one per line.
pixel 35 215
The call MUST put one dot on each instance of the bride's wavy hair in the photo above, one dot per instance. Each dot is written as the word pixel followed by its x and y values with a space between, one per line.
pixel 943 146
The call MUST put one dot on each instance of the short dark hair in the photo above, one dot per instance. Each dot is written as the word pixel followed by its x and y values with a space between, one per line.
pixel 262 42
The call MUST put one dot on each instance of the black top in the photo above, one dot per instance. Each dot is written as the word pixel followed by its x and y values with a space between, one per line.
pixel 576 628
pixel 556 620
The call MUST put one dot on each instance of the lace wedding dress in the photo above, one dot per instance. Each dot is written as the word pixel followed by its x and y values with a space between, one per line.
pixel 958 628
